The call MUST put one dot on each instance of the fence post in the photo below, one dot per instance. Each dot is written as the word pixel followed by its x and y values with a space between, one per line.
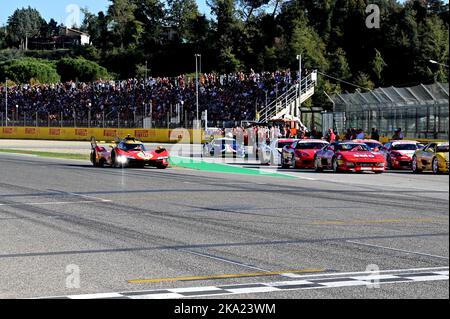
pixel 89 116
pixel 168 120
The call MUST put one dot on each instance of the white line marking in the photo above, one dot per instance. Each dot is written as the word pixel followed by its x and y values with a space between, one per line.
pixel 373 277
pixel 339 274
pixel 344 284
pixel 428 278
pixel 297 176
pixel 193 289
pixel 251 290
pixel 158 296
pixel 85 196
pixel 395 249
pixel 97 296
pixel 292 282
pixel 223 260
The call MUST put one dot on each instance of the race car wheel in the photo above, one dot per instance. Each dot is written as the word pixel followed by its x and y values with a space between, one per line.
pixel 292 162
pixel 415 166
pixel 379 172
pixel 317 165
pixel 389 162
pixel 336 168
pixel 114 163
pixel 161 166
pixel 284 164
pixel 94 159
pixel 435 166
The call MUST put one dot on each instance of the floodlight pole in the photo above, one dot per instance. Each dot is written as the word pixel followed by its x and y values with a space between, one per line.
pixel 6 103
pixel 196 86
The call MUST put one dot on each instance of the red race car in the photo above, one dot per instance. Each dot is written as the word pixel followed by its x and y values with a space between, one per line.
pixel 349 156
pixel 128 152
pixel 374 145
pixel 399 154
pixel 301 153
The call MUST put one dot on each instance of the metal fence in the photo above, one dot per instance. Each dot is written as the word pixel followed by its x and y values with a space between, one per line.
pixel 98 120
pixel 421 111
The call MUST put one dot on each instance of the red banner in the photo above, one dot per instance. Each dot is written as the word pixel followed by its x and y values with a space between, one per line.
pixel 81 132
pixel 141 133
pixel 30 131
pixel 54 131
pixel 110 133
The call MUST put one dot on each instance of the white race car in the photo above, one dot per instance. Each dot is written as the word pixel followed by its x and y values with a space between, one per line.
pixel 270 154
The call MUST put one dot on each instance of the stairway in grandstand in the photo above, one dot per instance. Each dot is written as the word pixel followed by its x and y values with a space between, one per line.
pixel 288 104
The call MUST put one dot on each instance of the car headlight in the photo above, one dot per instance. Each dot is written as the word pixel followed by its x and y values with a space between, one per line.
pixel 163 157
pixel 122 159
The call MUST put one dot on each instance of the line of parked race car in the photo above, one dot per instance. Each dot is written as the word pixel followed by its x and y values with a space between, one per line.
pixel 350 156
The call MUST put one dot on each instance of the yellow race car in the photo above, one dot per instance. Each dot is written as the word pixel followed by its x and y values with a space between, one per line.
pixel 434 157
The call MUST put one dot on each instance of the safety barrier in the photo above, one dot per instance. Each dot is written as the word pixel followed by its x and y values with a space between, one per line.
pixel 101 134
pixel 109 134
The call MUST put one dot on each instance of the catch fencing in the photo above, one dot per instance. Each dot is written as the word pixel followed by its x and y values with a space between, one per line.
pixel 421 111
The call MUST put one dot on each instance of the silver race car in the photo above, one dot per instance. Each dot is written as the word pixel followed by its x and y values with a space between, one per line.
pixel 270 154
pixel 223 147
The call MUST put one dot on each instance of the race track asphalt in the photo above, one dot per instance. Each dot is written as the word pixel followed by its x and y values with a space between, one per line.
pixel 116 226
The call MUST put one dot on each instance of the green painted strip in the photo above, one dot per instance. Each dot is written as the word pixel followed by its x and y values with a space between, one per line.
pixel 202 165
pixel 185 162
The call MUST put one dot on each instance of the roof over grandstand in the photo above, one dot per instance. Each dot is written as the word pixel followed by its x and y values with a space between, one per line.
pixel 437 93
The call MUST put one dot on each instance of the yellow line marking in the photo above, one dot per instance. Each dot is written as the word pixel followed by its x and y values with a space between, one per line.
pixel 225 276
pixel 379 221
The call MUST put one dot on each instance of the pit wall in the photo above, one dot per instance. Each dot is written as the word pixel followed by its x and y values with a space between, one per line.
pixel 101 134
pixel 109 134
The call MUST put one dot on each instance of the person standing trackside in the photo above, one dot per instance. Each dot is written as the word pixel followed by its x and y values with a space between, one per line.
pixel 330 137
pixel 375 135
pixel 398 135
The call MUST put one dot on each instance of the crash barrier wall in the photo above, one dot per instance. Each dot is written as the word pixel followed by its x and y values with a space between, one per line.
pixel 101 134
pixel 109 134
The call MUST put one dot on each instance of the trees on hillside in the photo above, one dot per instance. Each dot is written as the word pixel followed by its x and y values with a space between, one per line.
pixel 263 35
pixel 24 24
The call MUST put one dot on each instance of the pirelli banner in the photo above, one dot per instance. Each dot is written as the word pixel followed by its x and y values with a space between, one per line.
pixel 101 134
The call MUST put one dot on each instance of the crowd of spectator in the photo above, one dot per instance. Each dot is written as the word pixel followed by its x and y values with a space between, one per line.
pixel 234 97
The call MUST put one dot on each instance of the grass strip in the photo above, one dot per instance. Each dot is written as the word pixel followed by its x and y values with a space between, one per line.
pixel 47 154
